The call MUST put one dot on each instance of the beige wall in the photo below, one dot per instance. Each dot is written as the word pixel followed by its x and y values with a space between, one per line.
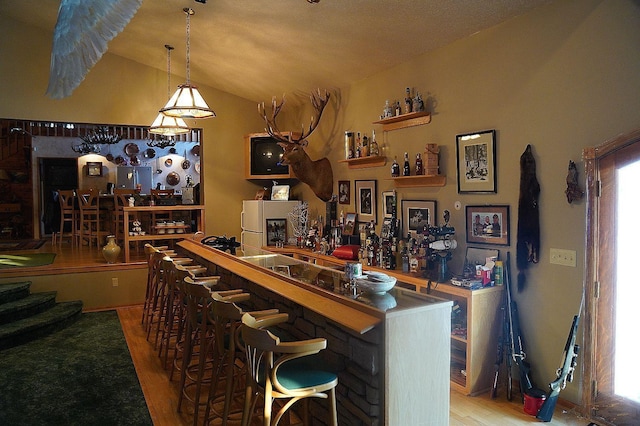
pixel 560 78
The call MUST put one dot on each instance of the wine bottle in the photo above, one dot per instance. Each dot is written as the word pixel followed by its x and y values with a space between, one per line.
pixel 407 169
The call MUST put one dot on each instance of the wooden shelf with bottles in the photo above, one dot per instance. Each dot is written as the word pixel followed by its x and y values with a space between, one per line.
pixel 365 162
pixel 419 181
pixel 405 120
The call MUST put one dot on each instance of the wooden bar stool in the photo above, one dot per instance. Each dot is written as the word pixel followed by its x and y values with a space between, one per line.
pixel 69 217
pixel 153 275
pixel 89 202
pixel 283 371
pixel 121 200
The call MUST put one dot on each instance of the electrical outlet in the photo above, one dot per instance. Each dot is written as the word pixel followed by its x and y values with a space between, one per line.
pixel 563 257
pixel 114 282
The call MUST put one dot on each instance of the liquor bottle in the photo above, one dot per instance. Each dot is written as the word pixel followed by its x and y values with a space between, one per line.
pixel 408 102
pixel 373 145
pixel 419 169
pixel 395 168
pixel 407 169
pixel 365 146
pixel 398 109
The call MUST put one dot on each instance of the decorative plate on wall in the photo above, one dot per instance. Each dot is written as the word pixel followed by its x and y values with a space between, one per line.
pixel 197 167
pixel 131 149
pixel 173 178
pixel 168 162
pixel 150 153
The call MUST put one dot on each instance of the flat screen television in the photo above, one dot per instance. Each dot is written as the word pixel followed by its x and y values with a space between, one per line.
pixel 263 158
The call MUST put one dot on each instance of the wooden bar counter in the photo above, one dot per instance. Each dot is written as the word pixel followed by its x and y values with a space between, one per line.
pixel 391 351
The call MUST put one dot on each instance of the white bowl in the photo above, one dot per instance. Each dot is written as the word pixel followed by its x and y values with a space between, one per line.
pixel 375 287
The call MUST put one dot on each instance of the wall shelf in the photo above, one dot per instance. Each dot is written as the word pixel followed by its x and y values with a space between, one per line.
pixel 405 120
pixel 418 181
pixel 365 162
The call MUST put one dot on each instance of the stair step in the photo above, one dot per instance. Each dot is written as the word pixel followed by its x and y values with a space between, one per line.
pixel 24 330
pixel 31 305
pixel 14 291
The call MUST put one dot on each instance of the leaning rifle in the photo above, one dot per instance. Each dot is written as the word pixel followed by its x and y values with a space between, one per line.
pixel 516 349
pixel 564 373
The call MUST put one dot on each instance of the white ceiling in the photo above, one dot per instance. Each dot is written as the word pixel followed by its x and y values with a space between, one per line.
pixel 259 48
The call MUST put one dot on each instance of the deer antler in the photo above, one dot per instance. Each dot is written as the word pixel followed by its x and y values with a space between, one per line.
pixel 318 101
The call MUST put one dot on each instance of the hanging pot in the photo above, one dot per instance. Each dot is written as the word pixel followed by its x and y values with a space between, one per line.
pixel 173 178
pixel 185 163
pixel 131 149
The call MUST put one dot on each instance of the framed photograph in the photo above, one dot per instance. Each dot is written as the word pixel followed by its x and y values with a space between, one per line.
pixel 365 193
pixel 280 192
pixel 94 168
pixel 476 159
pixel 350 224
pixel 488 225
pixel 388 199
pixel 417 214
pixel 344 191
pixel 276 231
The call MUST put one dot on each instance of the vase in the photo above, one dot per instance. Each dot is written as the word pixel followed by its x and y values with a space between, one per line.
pixel 111 250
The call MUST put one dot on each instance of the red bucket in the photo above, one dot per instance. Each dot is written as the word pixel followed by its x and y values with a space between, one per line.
pixel 533 400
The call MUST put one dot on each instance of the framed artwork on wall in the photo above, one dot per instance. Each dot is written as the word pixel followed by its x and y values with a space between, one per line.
pixel 365 193
pixel 488 224
pixel 388 200
pixel 94 168
pixel 344 192
pixel 350 224
pixel 276 231
pixel 476 160
pixel 416 214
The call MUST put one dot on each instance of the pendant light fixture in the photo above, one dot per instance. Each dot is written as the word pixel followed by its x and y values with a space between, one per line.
pixel 163 124
pixel 187 102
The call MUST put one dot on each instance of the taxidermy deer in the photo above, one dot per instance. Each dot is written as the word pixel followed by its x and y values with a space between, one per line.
pixel 317 174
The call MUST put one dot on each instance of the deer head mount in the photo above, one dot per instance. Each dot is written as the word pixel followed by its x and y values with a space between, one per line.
pixel 317 174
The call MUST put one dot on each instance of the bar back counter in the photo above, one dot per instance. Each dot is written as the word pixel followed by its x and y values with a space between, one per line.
pixel 391 351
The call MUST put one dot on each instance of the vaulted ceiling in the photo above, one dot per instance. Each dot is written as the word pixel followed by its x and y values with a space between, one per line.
pixel 259 48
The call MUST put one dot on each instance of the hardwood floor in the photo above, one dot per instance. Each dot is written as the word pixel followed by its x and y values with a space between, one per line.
pixel 162 395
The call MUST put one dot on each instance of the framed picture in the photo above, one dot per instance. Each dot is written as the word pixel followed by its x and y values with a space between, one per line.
pixel 365 193
pixel 388 200
pixel 350 224
pixel 276 231
pixel 280 192
pixel 476 159
pixel 344 191
pixel 488 225
pixel 94 168
pixel 417 214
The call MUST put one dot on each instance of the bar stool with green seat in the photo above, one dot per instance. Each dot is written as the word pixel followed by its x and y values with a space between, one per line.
pixel 283 371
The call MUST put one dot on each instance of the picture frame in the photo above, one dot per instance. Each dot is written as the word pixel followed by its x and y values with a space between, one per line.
pixel 387 203
pixel 416 214
pixel 94 168
pixel 482 222
pixel 280 192
pixel 476 162
pixel 350 224
pixel 344 192
pixel 276 231
pixel 366 203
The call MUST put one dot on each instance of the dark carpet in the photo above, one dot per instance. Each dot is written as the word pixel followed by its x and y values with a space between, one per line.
pixel 11 245
pixel 82 375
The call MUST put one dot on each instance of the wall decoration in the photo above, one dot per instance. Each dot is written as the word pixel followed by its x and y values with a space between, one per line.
pixel 350 224
pixel 276 231
pixel 388 200
pixel 365 193
pixel 344 192
pixel 476 159
pixel 417 214
pixel 94 168
pixel 488 225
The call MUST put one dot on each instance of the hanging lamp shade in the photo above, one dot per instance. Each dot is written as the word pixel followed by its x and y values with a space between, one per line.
pixel 187 102
pixel 165 125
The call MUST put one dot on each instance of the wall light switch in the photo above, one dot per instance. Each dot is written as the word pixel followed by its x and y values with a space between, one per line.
pixel 563 257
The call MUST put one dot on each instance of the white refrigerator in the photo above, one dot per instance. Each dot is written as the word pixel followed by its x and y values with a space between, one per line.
pixel 255 214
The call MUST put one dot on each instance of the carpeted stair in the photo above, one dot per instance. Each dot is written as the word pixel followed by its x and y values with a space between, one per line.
pixel 25 316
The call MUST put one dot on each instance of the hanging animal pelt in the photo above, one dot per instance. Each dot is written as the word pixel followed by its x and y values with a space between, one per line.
pixel 573 191
pixel 80 38
pixel 528 245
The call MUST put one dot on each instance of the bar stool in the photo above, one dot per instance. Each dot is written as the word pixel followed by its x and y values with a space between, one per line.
pixel 153 275
pixel 279 370
pixel 160 197
pixel 229 353
pixel 120 200
pixel 89 202
pixel 69 215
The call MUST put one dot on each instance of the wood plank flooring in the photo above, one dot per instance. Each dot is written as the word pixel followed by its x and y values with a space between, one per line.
pixel 161 394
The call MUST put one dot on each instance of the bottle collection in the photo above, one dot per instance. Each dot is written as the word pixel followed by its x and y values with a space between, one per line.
pixel 409 104
pixel 357 145
pixel 423 165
